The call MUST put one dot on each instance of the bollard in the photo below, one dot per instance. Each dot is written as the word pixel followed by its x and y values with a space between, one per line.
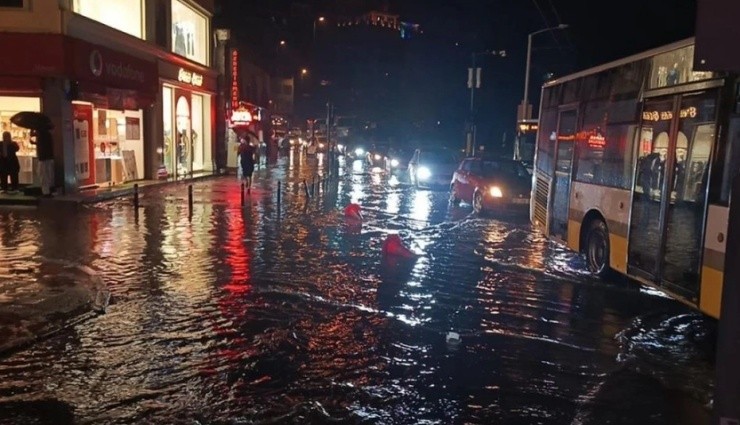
pixel 278 194
pixel 136 196
pixel 242 194
pixel 190 200
pixel 305 188
pixel 313 186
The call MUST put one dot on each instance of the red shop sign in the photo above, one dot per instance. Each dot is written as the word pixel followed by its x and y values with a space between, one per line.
pixel 91 62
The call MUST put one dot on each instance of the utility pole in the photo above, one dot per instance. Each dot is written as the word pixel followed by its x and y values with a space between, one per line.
pixel 474 82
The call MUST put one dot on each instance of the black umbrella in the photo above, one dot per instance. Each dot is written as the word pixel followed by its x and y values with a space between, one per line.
pixel 31 120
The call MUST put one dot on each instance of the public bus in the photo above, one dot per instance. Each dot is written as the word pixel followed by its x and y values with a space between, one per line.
pixel 633 166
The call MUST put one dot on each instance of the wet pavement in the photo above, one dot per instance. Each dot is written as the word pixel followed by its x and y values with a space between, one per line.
pixel 290 314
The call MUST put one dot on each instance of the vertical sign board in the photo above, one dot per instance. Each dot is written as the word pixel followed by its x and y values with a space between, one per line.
pixel 83 142
pixel 717 32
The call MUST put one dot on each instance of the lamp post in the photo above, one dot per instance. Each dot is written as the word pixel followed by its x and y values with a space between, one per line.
pixel 525 109
pixel 319 19
pixel 474 81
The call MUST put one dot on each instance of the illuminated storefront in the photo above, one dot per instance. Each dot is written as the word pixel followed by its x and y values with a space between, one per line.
pixel 188 102
pixel 106 94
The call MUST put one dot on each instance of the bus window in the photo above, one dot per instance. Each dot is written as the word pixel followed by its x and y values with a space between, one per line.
pixel 732 158
pixel 546 140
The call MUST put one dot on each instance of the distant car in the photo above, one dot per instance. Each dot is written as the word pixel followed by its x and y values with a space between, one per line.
pixel 491 185
pixel 433 167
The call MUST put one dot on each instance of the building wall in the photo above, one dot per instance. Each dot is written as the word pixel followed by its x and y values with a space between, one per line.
pixel 36 16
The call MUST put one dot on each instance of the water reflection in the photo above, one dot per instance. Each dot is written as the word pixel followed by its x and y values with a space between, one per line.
pixel 244 315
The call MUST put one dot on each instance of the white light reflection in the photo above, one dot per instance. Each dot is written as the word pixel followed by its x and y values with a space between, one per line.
pixel 393 181
pixel 357 166
pixel 421 205
pixel 393 203
pixel 357 193
pixel 376 179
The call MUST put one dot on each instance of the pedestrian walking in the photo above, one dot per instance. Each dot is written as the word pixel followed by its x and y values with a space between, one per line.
pixel 246 160
pixel 10 167
pixel 45 154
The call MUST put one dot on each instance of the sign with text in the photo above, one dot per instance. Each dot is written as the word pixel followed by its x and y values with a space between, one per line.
pixel 83 143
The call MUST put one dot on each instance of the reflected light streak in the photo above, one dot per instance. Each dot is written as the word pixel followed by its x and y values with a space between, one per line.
pixel 357 166
pixel 357 193
pixel 393 203
pixel 421 205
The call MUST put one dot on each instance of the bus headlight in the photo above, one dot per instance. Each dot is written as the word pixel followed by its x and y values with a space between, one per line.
pixel 496 192
pixel 394 162
pixel 424 173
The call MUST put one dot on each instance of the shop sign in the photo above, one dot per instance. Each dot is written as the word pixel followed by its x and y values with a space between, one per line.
pixel 668 115
pixel 596 141
pixel 187 77
pixel 241 117
pixel 234 79
pixel 109 67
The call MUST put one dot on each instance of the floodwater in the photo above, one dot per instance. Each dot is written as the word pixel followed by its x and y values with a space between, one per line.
pixel 290 314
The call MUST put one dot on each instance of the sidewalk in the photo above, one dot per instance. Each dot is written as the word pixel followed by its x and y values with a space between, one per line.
pixel 91 196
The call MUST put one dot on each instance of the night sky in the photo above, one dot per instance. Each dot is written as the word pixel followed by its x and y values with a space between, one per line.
pixel 599 31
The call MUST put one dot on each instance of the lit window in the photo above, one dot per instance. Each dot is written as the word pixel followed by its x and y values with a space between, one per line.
pixel 123 15
pixel 189 32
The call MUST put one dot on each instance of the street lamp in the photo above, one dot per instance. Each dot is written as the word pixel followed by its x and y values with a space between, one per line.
pixel 319 19
pixel 525 109
pixel 474 77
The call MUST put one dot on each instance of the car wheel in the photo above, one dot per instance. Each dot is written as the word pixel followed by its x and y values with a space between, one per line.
pixel 597 249
pixel 454 200
pixel 478 202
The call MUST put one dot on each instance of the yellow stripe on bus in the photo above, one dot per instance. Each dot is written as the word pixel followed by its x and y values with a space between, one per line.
pixel 618 253
pixel 574 235
pixel 711 291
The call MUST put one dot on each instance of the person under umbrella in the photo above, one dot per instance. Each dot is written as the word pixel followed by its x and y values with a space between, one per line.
pixel 10 167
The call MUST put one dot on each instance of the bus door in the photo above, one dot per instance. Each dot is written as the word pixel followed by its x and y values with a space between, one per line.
pixel 560 194
pixel 669 200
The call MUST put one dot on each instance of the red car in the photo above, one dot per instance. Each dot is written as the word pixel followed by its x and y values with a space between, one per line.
pixel 491 184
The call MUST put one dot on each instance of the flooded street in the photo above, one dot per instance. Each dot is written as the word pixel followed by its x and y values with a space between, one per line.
pixel 291 315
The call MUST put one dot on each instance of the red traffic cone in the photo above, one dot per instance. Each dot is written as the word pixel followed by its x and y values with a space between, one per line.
pixel 393 246
pixel 352 212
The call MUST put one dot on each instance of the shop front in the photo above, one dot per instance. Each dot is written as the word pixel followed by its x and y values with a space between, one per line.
pixel 113 95
pixel 97 98
pixel 187 111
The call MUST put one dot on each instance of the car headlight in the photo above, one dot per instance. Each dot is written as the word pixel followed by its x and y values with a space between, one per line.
pixel 377 157
pixel 495 191
pixel 321 146
pixel 359 151
pixel 394 162
pixel 423 173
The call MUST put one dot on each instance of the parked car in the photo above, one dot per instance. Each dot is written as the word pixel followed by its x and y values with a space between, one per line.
pixel 433 167
pixel 491 184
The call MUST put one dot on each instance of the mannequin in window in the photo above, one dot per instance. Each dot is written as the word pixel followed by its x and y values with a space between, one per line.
pixel 180 43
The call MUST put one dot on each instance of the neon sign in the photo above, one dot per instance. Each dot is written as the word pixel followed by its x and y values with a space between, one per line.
pixel 185 76
pixel 235 79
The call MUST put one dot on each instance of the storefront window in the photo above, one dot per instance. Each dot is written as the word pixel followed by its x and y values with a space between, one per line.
pixel 123 15
pixel 187 131
pixel 118 145
pixel 189 32
pixel 9 106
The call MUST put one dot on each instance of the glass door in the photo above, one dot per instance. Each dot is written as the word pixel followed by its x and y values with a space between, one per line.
pixel 563 166
pixel 183 134
pixel 688 193
pixel 649 195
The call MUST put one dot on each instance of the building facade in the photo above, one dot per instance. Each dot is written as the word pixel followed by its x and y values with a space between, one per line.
pixel 128 85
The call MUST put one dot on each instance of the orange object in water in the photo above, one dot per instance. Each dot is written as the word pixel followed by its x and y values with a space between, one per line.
pixel 393 246
pixel 352 211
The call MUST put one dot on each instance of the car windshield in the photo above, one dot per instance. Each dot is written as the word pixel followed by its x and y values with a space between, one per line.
pixel 497 168
pixel 439 157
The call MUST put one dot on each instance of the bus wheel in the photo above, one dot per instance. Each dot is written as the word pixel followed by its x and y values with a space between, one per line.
pixel 597 249
pixel 454 200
